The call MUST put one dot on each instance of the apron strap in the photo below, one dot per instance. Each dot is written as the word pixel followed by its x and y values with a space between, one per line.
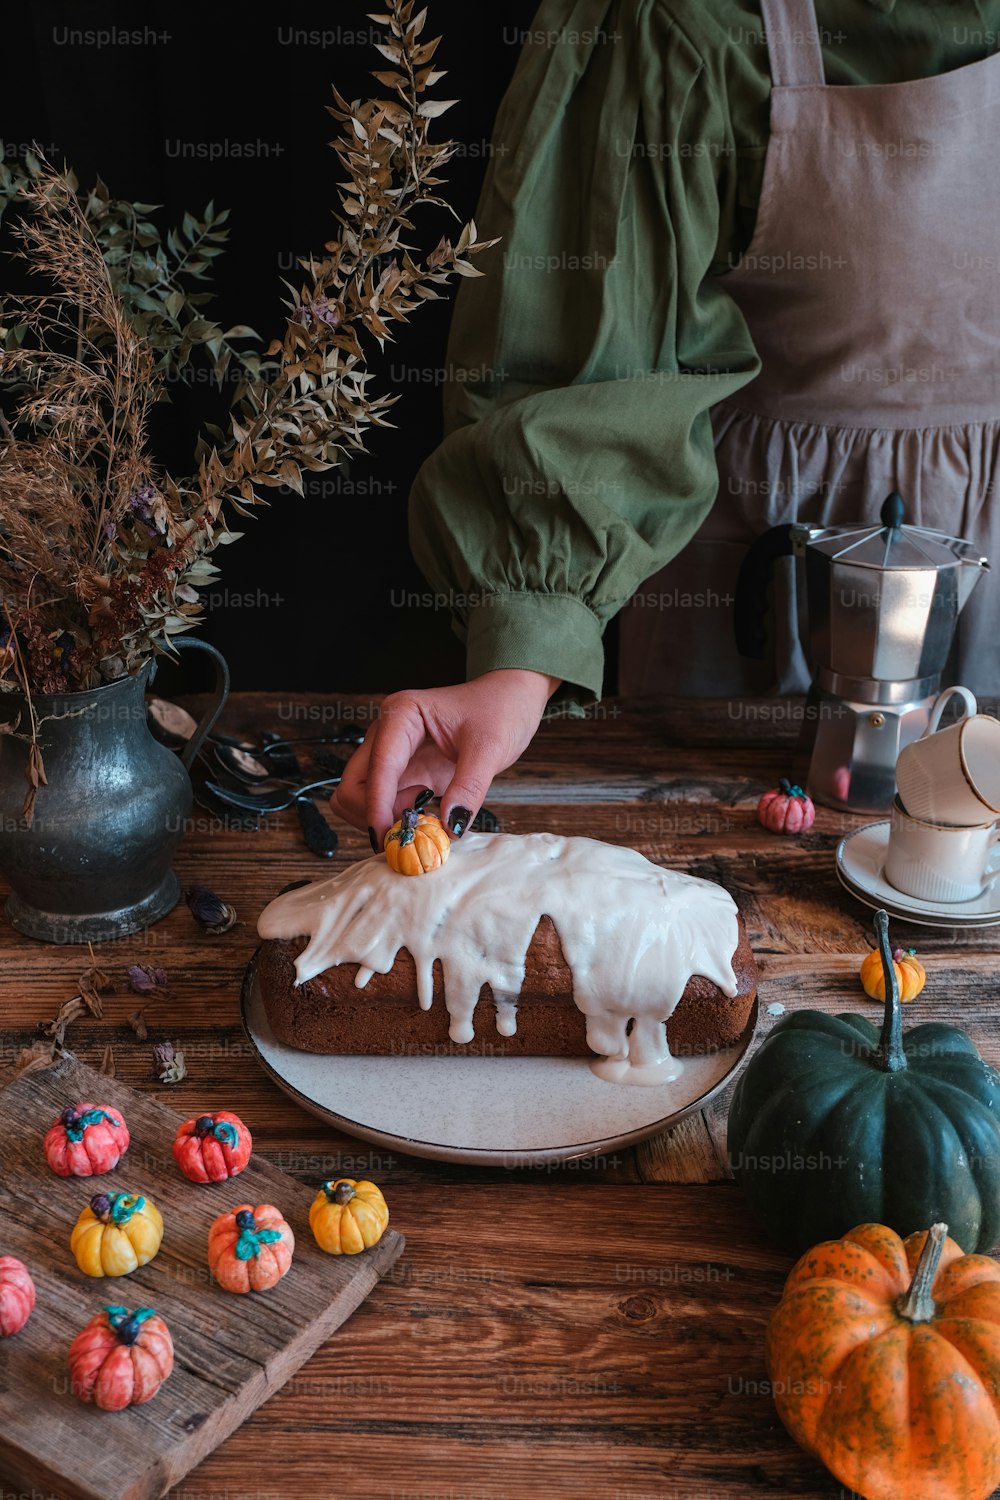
pixel 793 46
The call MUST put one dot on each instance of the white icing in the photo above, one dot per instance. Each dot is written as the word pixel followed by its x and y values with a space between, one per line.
pixel 631 932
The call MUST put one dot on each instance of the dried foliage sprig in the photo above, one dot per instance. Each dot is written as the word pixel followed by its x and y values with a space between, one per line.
pixel 103 553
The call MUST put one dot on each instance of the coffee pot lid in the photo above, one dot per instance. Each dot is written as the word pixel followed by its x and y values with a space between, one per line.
pixel 892 545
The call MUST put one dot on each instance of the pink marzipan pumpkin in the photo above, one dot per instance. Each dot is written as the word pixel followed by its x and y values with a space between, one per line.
pixel 786 809
pixel 212 1148
pixel 120 1358
pixel 17 1296
pixel 86 1140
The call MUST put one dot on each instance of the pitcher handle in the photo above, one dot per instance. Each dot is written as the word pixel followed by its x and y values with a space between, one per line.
pixel 941 702
pixel 220 693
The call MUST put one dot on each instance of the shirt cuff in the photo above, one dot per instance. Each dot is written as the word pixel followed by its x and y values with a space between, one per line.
pixel 553 633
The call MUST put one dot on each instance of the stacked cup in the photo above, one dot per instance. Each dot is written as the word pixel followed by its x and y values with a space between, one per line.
pixel 943 835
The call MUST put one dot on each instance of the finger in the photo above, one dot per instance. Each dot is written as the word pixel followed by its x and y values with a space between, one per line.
pixel 478 762
pixel 348 799
pixel 399 735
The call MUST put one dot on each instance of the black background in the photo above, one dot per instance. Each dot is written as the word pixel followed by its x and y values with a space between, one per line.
pixel 303 601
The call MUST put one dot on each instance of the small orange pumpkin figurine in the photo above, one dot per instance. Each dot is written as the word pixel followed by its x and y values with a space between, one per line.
pixel 120 1358
pixel 250 1249
pixel 910 974
pixel 884 1358
pixel 418 842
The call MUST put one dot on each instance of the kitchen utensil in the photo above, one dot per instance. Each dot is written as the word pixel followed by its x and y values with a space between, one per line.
pixel 953 775
pixel 883 602
pixel 319 837
pixel 267 802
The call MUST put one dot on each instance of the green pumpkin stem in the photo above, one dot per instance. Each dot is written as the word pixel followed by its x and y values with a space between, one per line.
pixel 890 1055
pixel 918 1305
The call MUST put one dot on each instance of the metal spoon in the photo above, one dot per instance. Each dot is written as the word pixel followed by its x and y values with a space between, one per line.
pixel 267 801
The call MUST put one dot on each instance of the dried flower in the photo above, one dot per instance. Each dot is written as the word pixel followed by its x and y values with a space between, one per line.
pixel 143 980
pixel 168 1063
pixel 138 1025
pixel 214 914
pixel 99 543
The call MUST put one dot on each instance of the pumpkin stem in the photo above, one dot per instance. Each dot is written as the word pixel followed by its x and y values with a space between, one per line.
pixel 917 1305
pixel 890 1055
pixel 342 1193
pixel 128 1326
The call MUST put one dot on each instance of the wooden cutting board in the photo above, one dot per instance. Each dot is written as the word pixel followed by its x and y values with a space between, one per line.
pixel 231 1352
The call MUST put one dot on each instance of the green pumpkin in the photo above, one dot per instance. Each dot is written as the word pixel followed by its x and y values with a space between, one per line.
pixel 834 1124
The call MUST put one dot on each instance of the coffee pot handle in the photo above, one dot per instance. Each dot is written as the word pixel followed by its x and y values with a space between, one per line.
pixel 220 692
pixel 753 589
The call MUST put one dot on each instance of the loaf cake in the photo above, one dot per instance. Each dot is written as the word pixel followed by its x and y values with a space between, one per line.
pixel 521 945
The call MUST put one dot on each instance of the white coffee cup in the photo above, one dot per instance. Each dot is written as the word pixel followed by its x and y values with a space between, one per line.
pixel 952 775
pixel 938 862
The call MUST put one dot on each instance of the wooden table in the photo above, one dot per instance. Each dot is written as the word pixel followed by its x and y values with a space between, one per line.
pixel 590 1330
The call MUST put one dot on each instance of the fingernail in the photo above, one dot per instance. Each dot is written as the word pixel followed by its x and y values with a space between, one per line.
pixel 458 820
pixel 373 840
pixel 422 798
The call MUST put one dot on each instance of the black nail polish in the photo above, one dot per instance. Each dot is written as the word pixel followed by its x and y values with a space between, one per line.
pixel 458 820
pixel 373 840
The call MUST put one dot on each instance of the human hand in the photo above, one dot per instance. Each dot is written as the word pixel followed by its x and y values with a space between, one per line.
pixel 451 739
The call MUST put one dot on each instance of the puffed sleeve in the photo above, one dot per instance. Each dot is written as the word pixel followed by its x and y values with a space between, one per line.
pixel 578 455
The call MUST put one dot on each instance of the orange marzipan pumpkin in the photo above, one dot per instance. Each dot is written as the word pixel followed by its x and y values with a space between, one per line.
pixel 251 1248
pixel 911 975
pixel 884 1358
pixel 417 849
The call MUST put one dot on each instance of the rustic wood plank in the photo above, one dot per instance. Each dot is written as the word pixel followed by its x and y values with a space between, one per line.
pixel 231 1352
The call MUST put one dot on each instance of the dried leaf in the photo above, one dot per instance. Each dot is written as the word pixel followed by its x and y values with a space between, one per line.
pixel 108 1066
pixel 138 1025
pixel 34 1058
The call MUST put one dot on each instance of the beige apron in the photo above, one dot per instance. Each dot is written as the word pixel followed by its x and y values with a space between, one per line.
pixel 871 289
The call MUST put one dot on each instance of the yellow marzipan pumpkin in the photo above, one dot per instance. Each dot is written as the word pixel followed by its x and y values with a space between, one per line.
pixel 417 843
pixel 347 1217
pixel 116 1233
pixel 910 974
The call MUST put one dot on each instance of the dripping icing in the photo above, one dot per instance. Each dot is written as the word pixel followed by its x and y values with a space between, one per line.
pixel 632 935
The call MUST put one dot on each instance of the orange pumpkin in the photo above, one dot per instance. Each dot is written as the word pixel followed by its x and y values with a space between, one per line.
pixel 250 1249
pixel 911 975
pixel 120 1358
pixel 418 842
pixel 884 1357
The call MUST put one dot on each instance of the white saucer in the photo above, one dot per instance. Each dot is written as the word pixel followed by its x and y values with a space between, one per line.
pixel 860 860
pixel 487 1111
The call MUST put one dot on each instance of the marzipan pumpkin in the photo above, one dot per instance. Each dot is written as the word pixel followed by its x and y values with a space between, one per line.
pixel 212 1148
pixel 418 842
pixel 120 1358
pixel 910 974
pixel 87 1139
pixel 116 1233
pixel 17 1296
pixel 834 1123
pixel 347 1217
pixel 250 1249
pixel 884 1358
pixel 786 809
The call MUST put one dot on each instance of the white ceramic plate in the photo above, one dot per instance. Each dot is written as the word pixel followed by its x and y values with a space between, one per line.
pixel 487 1111
pixel 860 858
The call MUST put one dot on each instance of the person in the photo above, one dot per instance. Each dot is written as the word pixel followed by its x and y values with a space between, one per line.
pixel 748 274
